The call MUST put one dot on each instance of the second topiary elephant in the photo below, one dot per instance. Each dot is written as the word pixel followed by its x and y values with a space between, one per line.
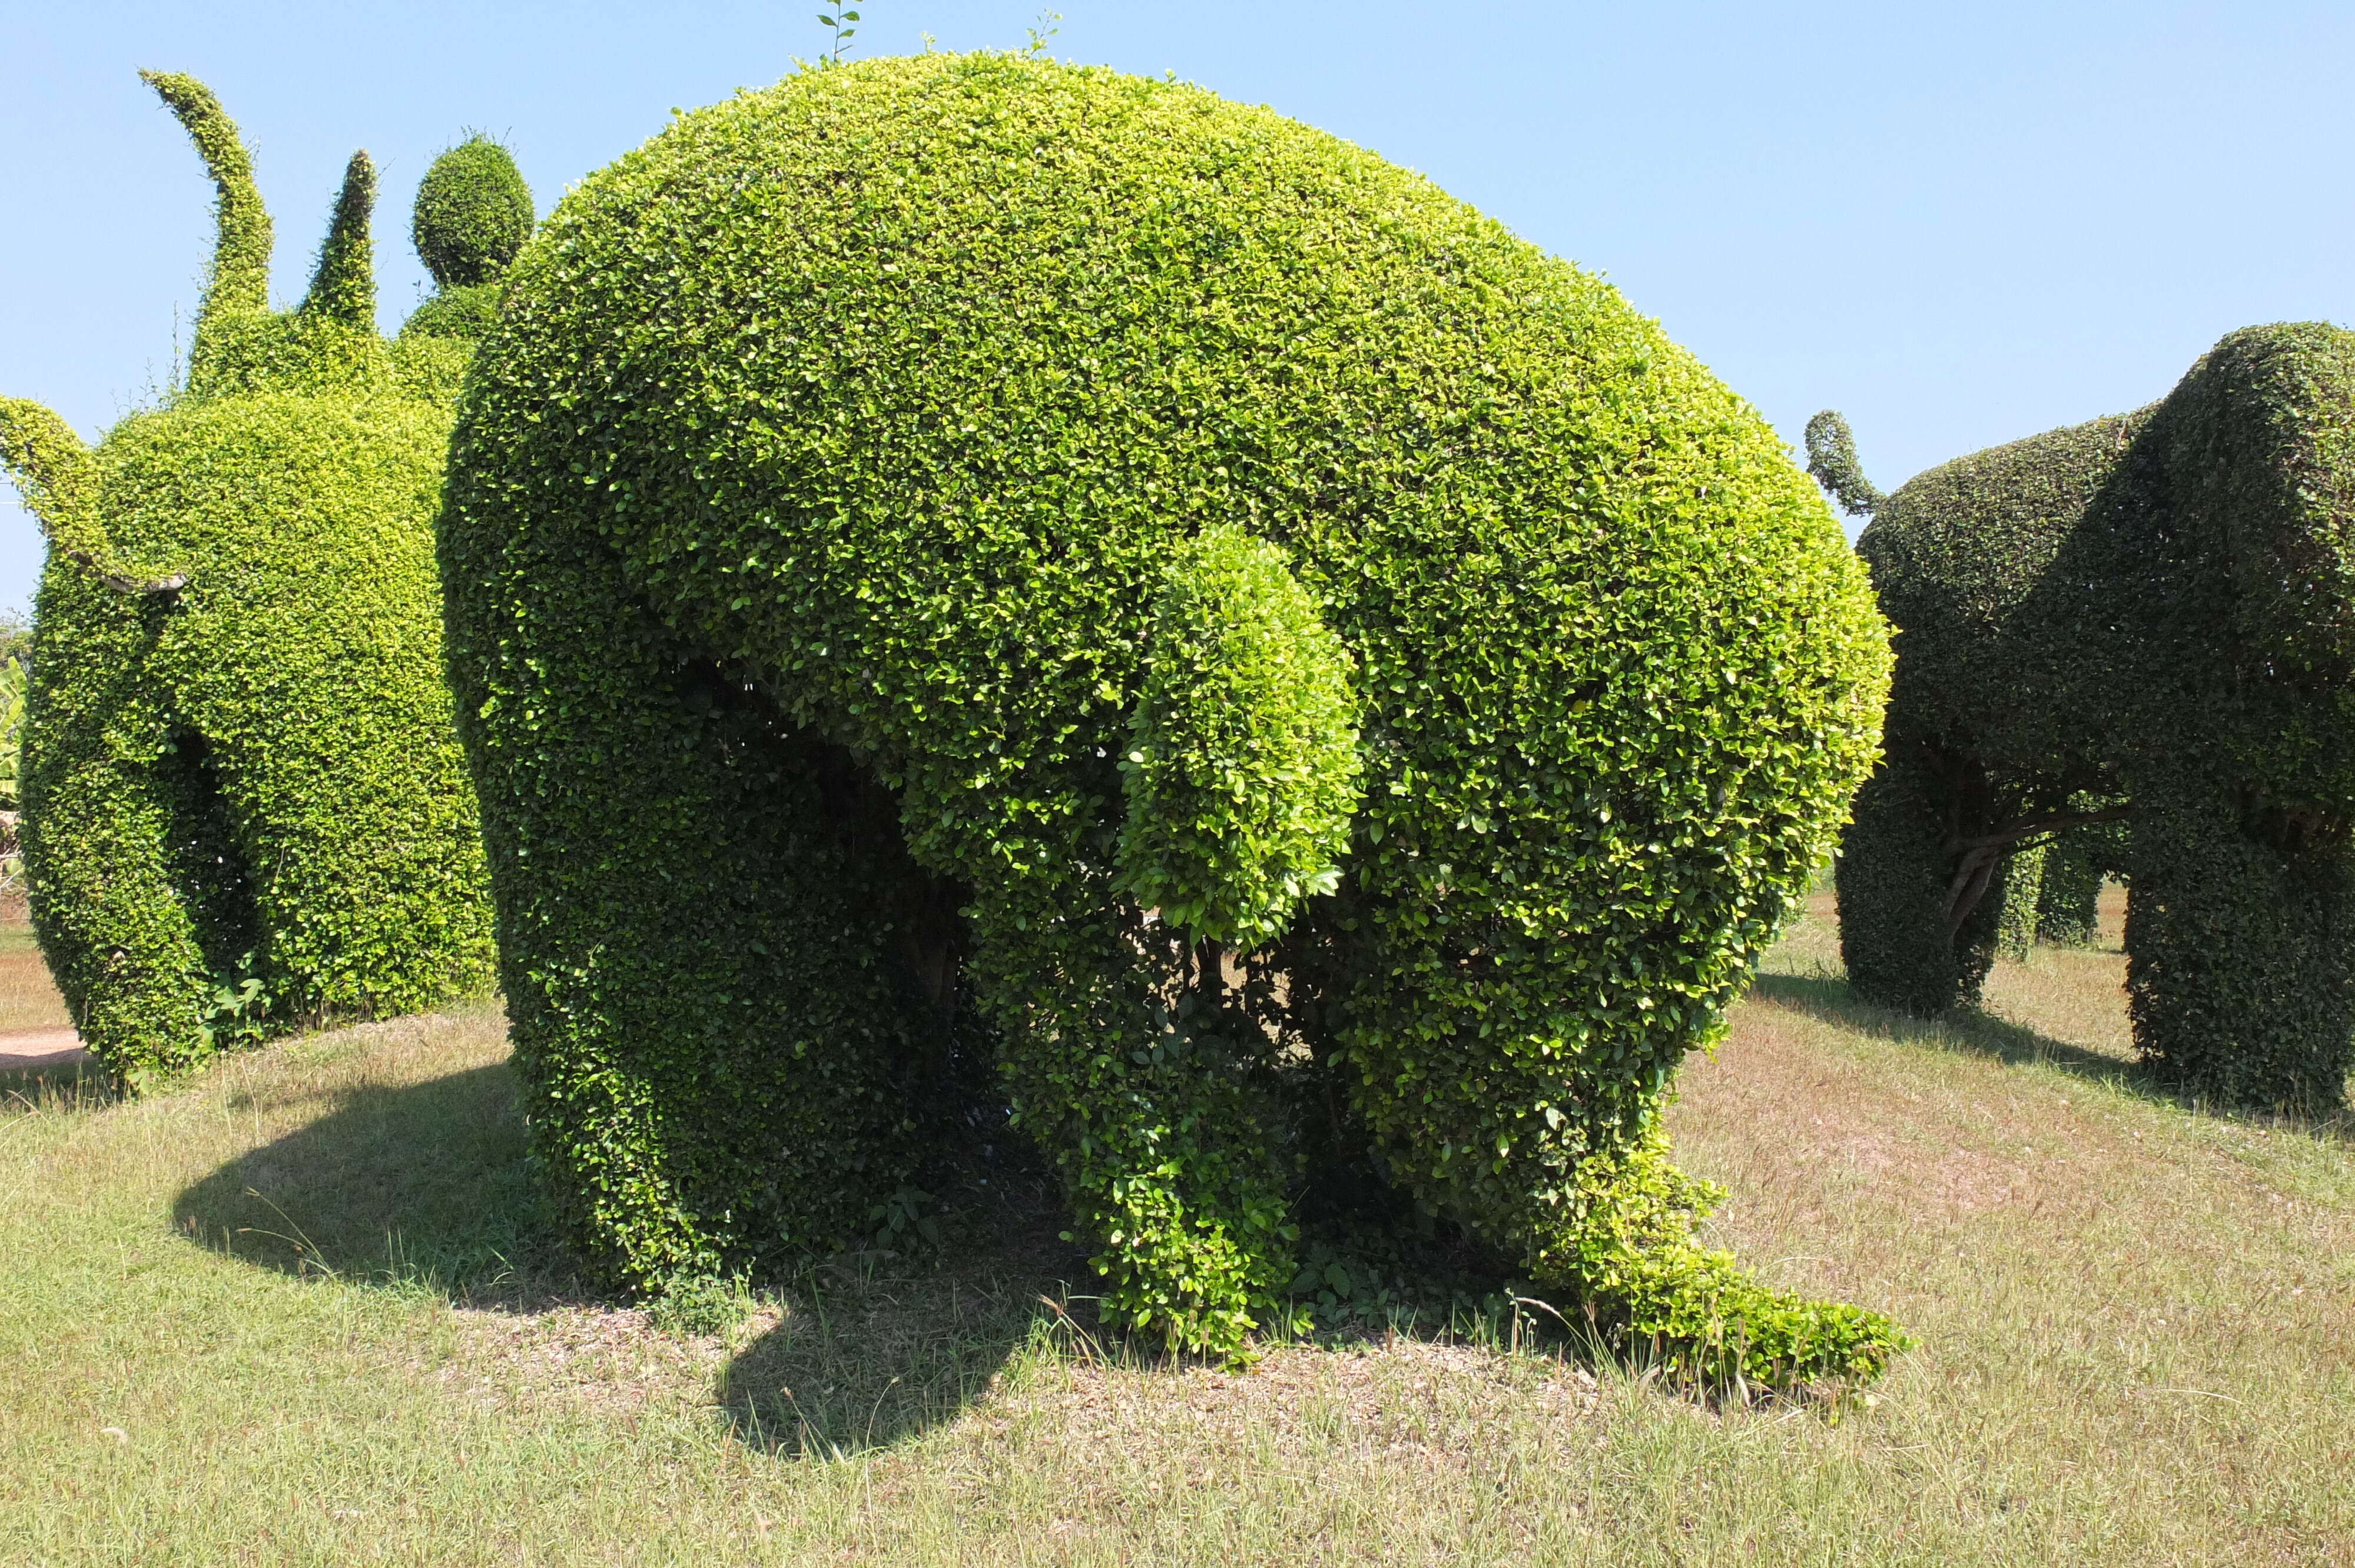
pixel 244 803
pixel 2148 619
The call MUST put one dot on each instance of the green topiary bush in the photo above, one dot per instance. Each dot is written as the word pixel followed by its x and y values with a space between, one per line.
pixel 2023 894
pixel 970 550
pixel 473 215
pixel 244 802
pixel 2136 635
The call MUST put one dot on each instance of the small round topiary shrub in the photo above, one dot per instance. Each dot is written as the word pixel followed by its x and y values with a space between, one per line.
pixel 966 533
pixel 244 803
pixel 473 214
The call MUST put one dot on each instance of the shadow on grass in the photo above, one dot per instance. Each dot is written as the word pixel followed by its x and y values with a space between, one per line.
pixel 55 1086
pixel 419 1186
pixel 1980 1033
pixel 875 1350
pixel 424 1188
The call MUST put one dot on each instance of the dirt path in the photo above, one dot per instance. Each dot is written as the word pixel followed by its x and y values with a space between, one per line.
pixel 22 1049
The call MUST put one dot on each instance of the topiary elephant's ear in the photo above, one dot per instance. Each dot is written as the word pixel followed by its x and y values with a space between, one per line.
pixel 1242 772
pixel 474 213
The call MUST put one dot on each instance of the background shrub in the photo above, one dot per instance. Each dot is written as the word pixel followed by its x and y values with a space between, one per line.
pixel 474 213
pixel 244 804
pixel 863 468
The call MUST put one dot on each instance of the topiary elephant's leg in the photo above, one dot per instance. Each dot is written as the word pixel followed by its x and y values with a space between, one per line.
pixel 2069 893
pixel 2241 949
pixel 694 901
pixel 1897 882
pixel 370 884
pixel 355 815
pixel 2023 887
pixel 1156 1123
pixel 124 846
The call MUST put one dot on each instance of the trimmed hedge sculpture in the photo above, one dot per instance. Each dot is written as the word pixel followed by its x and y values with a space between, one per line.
pixel 245 804
pixel 964 548
pixel 473 215
pixel 2146 619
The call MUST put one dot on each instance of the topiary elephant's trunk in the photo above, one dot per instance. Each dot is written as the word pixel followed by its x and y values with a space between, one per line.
pixel 56 477
pixel 239 278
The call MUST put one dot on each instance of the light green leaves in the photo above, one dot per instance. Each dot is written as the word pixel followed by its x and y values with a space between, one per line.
pixel 1242 773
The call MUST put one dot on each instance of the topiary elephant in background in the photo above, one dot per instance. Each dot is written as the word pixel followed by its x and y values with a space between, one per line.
pixel 965 554
pixel 2148 619
pixel 244 802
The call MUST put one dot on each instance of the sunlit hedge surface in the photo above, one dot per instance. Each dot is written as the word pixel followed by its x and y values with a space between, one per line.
pixel 943 549
pixel 244 802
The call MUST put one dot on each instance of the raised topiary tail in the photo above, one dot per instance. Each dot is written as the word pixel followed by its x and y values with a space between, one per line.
pixel 1831 458
pixel 240 279
pixel 343 286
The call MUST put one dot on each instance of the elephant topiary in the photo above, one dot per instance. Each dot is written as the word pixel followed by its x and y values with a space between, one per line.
pixel 964 552
pixel 245 806
pixel 2144 623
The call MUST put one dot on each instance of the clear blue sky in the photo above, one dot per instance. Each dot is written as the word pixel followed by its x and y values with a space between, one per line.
pixel 1958 224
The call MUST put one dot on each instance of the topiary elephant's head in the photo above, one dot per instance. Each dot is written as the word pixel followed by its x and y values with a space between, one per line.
pixel 244 805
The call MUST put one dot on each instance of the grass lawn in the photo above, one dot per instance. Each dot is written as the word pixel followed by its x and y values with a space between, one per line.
pixel 304 1310
pixel 28 1000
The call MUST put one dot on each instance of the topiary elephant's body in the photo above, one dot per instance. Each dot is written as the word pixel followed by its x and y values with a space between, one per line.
pixel 2153 613
pixel 244 802
pixel 852 466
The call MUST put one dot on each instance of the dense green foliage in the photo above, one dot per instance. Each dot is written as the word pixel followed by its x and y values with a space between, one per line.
pixel 244 802
pixel 864 470
pixel 1242 763
pixel 473 214
pixel 2069 890
pixel 2157 609
pixel 16 675
pixel 2024 897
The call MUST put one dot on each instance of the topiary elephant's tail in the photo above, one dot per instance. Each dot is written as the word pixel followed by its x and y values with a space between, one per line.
pixel 1831 459
pixel 1622 1243
pixel 1243 772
